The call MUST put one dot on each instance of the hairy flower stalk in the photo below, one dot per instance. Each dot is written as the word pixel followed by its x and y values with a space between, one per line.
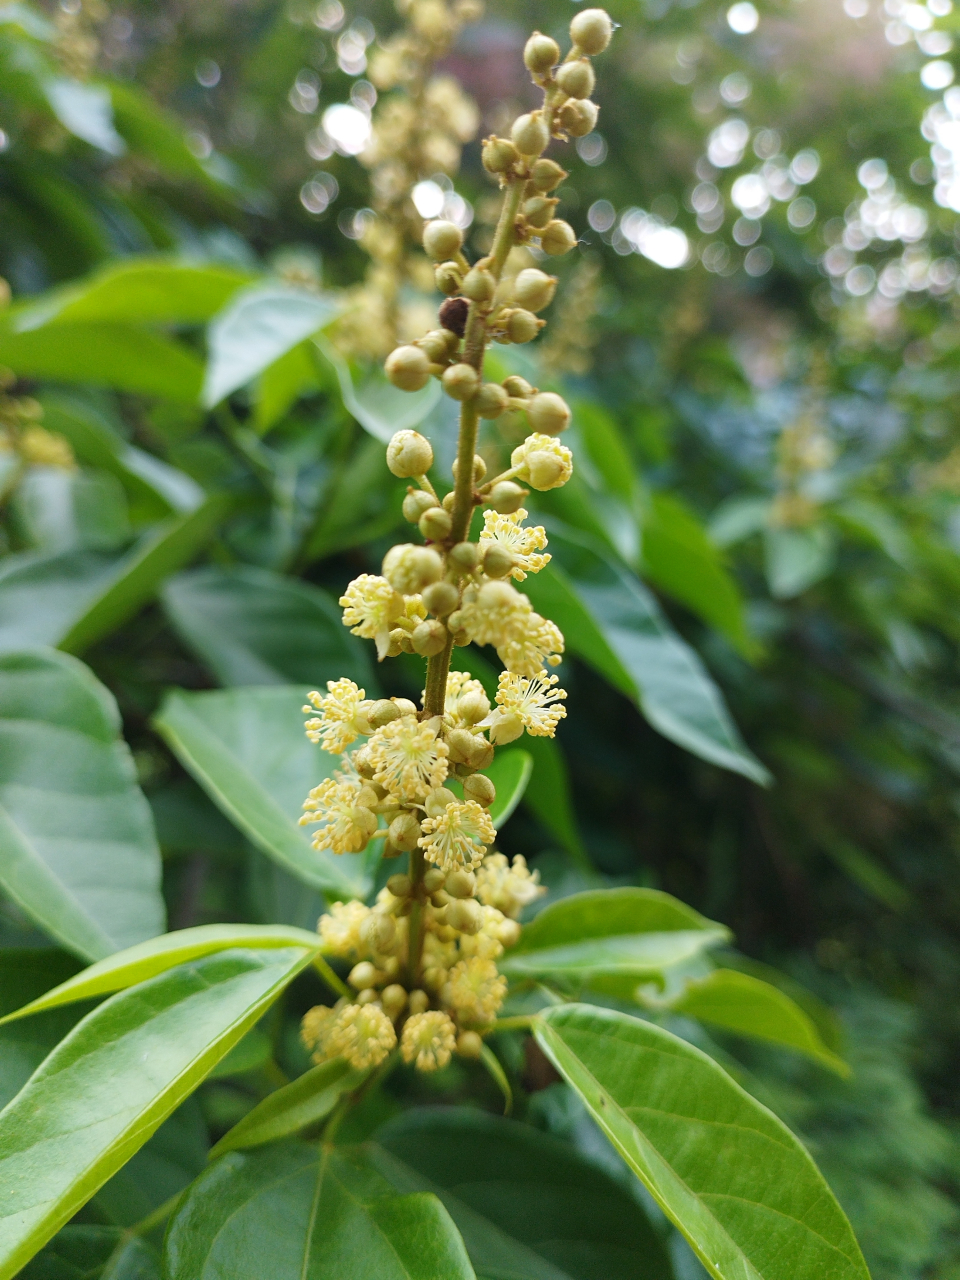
pixel 424 955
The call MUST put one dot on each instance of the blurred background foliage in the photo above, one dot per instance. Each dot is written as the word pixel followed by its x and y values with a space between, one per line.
pixel 760 334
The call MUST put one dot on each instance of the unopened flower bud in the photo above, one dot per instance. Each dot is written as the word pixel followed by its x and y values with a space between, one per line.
pixel 435 524
pixel 530 134
pixel 429 638
pixel 469 748
pixel 437 801
pixel 461 883
pixel 461 381
pixel 416 503
pixel 547 174
pixel 409 568
pixel 479 787
pixel 491 400
pixel 382 712
pixel 534 289
pixel 557 237
pixel 591 30
pixel 367 996
pixel 407 708
pixel 499 154
pixel 399 643
pixel 409 454
pixel 507 727
pixel 379 930
pixel 540 54
pixel 579 117
pixel 441 598
pixel 548 413
pixel 469 1044
pixel 473 707
pixel 418 1002
pixel 448 278
pixel 509 932
pixel 479 468
pixel 408 368
pixel 433 879
pixel 449 501
pixel 405 831
pixel 465 915
pixel 442 239
pixel 362 975
pixel 367 797
pixel 576 79
pixel 522 326
pixel 437 345
pixel 393 999
pixel 478 285
pixel 518 387
pixel 453 315
pixel 363 764
pixel 539 210
pixel 400 886
pixel 498 562
pixel 546 471
pixel 507 497
pixel 464 556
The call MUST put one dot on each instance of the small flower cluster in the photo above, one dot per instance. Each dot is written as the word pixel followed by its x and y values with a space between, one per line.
pixel 464 920
pixel 22 434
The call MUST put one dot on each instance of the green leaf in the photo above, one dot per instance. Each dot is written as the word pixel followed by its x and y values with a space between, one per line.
pixel 298 1105
pixel 679 558
pixel 737 519
pixel 257 327
pixel 57 510
pixel 147 959
pixel 162 1168
pixel 151 132
pixel 24 974
pixel 251 626
pixel 797 559
pixel 379 406
pixel 509 773
pixel 77 848
pixel 724 1169
pixel 748 1006
pixel 281 385
pixel 247 749
pixel 295 1214
pixel 527 1205
pixel 82 1252
pixel 87 111
pixel 613 624
pixel 115 1078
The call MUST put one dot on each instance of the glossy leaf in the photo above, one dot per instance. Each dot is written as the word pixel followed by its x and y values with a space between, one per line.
pixel 598 913
pixel 297 1106
pixel 526 1204
pixel 259 326
pixel 724 1169
pixel 294 1213
pixel 82 1252
pixel 247 749
pixel 162 1168
pixel 510 774
pixel 26 973
pixel 379 406
pixel 613 624
pixel 114 1079
pixel 77 847
pixel 251 626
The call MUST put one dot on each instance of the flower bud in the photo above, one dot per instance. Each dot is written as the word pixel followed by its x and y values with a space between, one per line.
pixel 498 562
pixel 460 883
pixel 473 707
pixel 435 523
pixel 539 210
pixel 453 315
pixel 393 999
pixel 449 501
pixel 408 368
pixel 591 30
pixel 362 975
pixel 534 289
pixel 367 796
pixel 522 326
pixel 383 711
pixel 363 764
pixel 557 237
pixel 400 886
pixel 547 174
pixel 464 556
pixel 434 879
pixel 469 749
pixel 530 134
pixel 429 638
pixel 448 278
pixel 442 239
pixel 465 915
pixel 399 643
pixel 518 387
pixel 507 497
pixel 540 54
pixel 407 708
pixel 491 400
pixel 548 413
pixel 405 832
pixel 418 1002
pixel 499 154
pixel 576 79
pixel 437 801
pixel 409 454
pixel 479 285
pixel 416 503
pixel 506 727
pixel 509 932
pixel 579 117
pixel 438 344
pixel 441 598
pixel 409 568
pixel 379 930
pixel 461 381
pixel 546 471
pixel 479 468
pixel 469 1044
pixel 479 787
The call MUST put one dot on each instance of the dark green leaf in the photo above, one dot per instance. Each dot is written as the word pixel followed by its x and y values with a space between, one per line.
pixel 299 1105
pixel 161 1169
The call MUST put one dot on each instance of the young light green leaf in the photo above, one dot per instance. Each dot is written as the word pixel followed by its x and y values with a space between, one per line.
pixel 157 955
pixel 509 773
pixel 252 626
pixel 67 789
pixel 247 749
pixel 259 326
pixel 724 1169
pixel 746 1005
pixel 294 1213
pixel 298 1105
pixel 526 1204
pixel 379 406
pixel 110 1084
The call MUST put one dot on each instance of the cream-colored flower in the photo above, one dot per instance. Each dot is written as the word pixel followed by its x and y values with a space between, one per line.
pixel 458 837
pixel 475 990
pixel 533 699
pixel 408 759
pixel 341 719
pixel 508 888
pixel 339 929
pixel 542 462
pixel 428 1040
pixel 370 607
pixel 347 825
pixel 314 1026
pixel 361 1033
pixel 523 544
pixel 525 649
pixel 494 933
pixel 493 612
